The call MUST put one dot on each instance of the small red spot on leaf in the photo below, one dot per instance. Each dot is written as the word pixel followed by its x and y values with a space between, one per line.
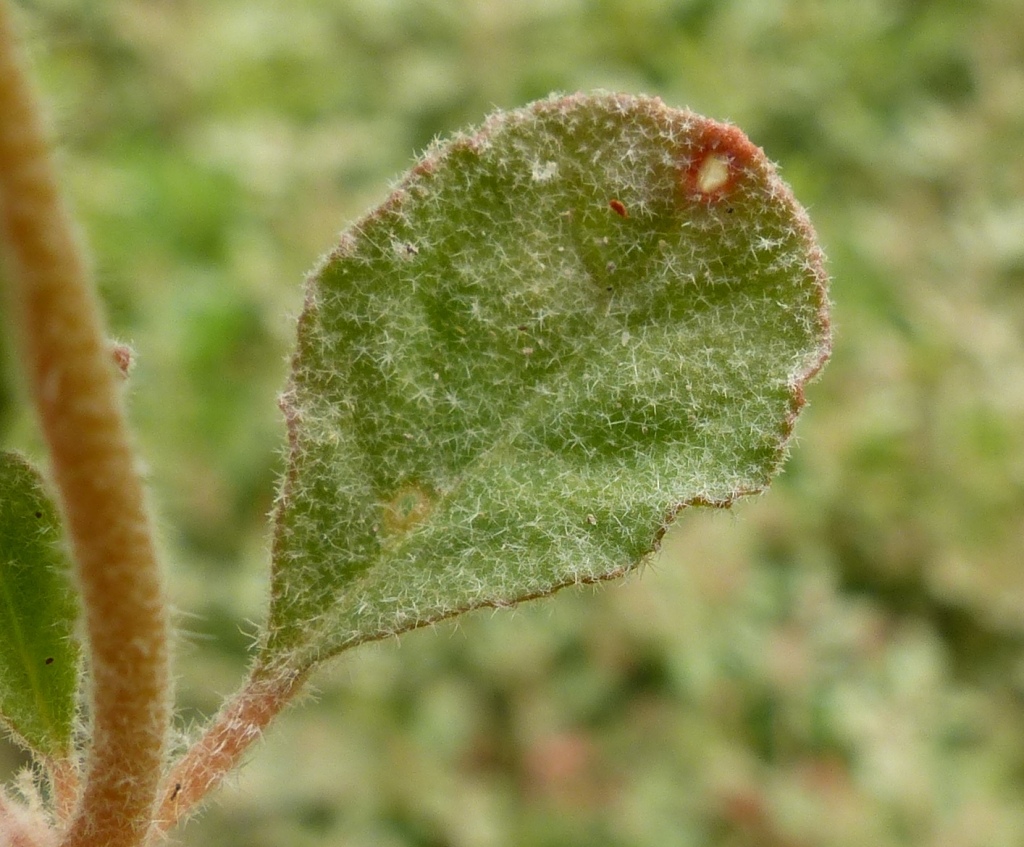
pixel 619 208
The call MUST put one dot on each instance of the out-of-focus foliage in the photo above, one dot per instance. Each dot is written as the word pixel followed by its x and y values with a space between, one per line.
pixel 838 663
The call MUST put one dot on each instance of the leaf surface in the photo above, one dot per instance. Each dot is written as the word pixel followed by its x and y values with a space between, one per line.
pixel 38 653
pixel 558 331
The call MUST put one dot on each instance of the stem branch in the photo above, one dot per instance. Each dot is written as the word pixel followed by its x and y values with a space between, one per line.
pixel 218 751
pixel 74 387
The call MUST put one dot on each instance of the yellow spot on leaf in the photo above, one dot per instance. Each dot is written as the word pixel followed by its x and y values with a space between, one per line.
pixel 410 507
pixel 713 173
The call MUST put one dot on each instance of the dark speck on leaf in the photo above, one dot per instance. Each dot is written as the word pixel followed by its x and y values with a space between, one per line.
pixel 49 660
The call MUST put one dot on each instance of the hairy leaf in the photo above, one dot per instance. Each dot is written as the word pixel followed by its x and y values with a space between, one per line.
pixel 557 332
pixel 38 653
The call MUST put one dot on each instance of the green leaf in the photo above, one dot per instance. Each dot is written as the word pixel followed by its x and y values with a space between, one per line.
pixel 38 652
pixel 557 332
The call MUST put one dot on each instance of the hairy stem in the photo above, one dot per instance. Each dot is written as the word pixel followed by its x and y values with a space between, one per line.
pixel 237 727
pixel 64 783
pixel 74 386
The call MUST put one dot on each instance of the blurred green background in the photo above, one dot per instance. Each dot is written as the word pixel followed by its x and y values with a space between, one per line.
pixel 838 662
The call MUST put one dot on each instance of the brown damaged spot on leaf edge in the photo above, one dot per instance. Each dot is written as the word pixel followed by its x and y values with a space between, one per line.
pixel 718 161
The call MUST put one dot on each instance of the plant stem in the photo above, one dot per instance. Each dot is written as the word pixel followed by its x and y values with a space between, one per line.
pixel 74 386
pixel 218 751
pixel 64 784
